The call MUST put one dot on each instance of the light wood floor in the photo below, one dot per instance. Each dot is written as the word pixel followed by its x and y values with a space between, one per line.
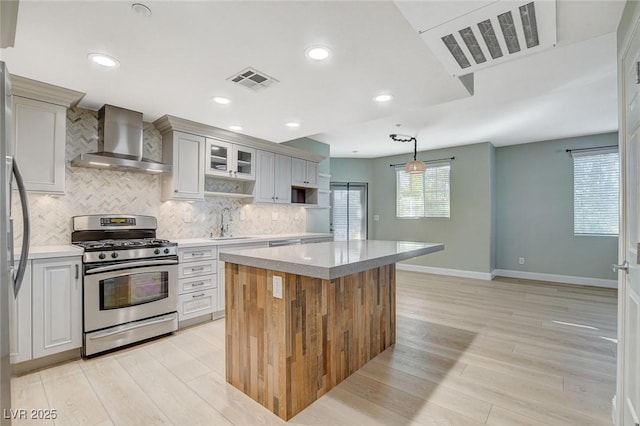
pixel 468 352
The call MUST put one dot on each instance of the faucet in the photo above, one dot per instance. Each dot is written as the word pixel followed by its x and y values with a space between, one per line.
pixel 225 228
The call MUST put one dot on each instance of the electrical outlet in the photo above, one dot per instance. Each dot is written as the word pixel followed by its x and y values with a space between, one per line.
pixel 277 286
pixel 376 217
pixel 521 260
pixel 274 215
pixel 243 215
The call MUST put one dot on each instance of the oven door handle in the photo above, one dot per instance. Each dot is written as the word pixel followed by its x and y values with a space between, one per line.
pixel 125 328
pixel 129 265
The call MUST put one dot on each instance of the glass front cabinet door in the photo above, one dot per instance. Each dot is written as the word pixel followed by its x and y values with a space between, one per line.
pixel 245 161
pixel 218 158
pixel 230 161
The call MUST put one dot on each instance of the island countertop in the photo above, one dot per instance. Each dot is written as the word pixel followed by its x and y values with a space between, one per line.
pixel 330 260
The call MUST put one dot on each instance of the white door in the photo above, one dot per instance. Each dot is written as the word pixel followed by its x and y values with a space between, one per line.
pixel 282 180
pixel 264 179
pixel 188 166
pixel 57 305
pixel 628 391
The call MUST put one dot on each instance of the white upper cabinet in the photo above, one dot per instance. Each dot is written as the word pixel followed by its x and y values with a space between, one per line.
pixel 186 153
pixel 304 173
pixel 228 160
pixel 39 133
pixel 273 183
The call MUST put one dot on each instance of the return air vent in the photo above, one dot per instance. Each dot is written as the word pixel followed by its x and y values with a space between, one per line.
pixel 252 79
pixel 496 33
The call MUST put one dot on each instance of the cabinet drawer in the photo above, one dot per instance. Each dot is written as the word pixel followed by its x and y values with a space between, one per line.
pixel 194 269
pixel 197 283
pixel 195 304
pixel 197 253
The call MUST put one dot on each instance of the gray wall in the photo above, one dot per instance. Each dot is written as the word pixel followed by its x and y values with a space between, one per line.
pixel 534 186
pixel 466 235
pixel 506 203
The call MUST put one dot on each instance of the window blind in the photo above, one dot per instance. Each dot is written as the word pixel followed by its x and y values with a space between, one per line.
pixel 596 189
pixel 424 195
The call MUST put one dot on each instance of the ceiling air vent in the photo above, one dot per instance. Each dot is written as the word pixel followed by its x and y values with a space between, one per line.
pixel 496 33
pixel 252 79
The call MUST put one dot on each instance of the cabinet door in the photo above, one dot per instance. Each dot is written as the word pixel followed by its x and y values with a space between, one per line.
pixel 219 158
pixel 57 305
pixel 312 174
pixel 245 162
pixel 39 144
pixel 298 172
pixel 264 179
pixel 282 176
pixel 20 320
pixel 188 166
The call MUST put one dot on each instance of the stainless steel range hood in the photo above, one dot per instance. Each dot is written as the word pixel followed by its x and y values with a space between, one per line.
pixel 119 144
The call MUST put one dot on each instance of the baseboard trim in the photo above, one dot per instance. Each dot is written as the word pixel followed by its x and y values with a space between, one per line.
pixel 565 279
pixel 445 271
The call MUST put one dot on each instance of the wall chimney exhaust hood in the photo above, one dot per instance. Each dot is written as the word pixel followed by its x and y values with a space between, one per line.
pixel 119 144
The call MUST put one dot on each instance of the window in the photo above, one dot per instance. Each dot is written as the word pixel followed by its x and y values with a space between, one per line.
pixel 424 195
pixel 596 188
pixel 349 211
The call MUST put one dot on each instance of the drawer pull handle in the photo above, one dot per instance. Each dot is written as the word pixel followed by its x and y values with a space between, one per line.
pixel 199 268
pixel 197 254
pixel 197 295
pixel 198 284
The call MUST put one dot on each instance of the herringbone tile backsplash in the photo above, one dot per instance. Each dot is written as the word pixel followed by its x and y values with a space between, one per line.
pixel 96 191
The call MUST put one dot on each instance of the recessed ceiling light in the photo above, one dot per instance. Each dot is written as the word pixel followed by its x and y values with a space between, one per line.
pixel 235 128
pixel 221 100
pixel 318 53
pixel 141 9
pixel 293 124
pixel 383 98
pixel 104 60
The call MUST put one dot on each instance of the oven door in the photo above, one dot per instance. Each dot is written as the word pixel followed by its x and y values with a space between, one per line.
pixel 120 293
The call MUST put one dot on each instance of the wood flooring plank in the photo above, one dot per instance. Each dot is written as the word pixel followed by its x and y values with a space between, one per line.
pixel 81 404
pixel 466 352
pixel 125 402
pixel 179 403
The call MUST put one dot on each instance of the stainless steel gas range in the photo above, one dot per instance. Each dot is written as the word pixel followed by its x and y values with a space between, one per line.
pixel 129 280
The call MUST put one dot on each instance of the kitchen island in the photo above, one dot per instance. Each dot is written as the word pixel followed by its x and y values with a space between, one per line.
pixel 301 319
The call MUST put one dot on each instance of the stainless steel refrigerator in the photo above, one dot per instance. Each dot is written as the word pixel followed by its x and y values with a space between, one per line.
pixel 11 274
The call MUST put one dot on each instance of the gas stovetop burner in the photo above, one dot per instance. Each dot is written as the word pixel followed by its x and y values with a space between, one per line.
pixel 124 243
pixel 120 238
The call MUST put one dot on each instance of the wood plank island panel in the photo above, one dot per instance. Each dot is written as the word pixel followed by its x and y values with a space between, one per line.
pixel 286 353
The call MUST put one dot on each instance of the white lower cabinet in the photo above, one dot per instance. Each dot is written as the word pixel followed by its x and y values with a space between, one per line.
pixel 46 318
pixel 20 320
pixel 197 282
pixel 57 305
pixel 195 304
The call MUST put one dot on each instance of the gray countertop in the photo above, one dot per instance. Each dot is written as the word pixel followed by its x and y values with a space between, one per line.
pixel 247 239
pixel 331 259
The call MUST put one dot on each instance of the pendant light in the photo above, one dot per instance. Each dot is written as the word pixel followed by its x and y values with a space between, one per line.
pixel 415 166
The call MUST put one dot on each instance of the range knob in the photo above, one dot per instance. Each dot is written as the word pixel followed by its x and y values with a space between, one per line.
pixel 114 254
pixel 166 251
pixel 156 251
pixel 102 256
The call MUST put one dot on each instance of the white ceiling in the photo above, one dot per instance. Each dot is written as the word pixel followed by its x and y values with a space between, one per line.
pixel 174 61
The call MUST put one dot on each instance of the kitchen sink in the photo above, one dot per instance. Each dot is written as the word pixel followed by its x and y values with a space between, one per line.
pixel 227 238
